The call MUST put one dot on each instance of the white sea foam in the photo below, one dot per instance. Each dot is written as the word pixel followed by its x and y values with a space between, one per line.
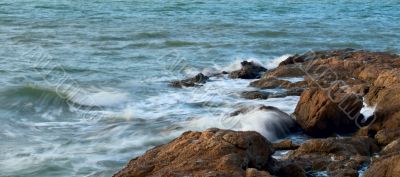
pixel 367 111
pixel 271 64
pixel 98 98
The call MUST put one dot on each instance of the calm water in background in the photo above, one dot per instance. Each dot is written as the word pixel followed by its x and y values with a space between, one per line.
pixel 118 56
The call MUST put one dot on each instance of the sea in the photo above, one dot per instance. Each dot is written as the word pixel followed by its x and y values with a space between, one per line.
pixel 84 83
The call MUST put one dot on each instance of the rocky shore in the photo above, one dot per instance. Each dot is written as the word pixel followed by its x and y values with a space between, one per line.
pixel 338 85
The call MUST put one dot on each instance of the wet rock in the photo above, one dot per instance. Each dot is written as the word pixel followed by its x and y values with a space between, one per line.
pixel 321 113
pixel 255 95
pixel 213 152
pixel 337 156
pixel 385 166
pixel 191 82
pixel 285 145
pixel 249 70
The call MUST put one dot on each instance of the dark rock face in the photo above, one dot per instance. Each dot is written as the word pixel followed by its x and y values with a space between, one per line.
pixel 337 156
pixel 385 166
pixel 249 70
pixel 191 82
pixel 321 113
pixel 213 152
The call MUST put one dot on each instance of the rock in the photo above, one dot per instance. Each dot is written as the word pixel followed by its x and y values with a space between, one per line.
pixel 285 145
pixel 213 152
pixel 191 82
pixel 255 95
pixel 321 113
pixel 386 136
pixel 349 146
pixel 337 156
pixel 385 166
pixel 270 83
pixel 384 94
pixel 252 172
pixel 291 170
pixel 285 71
pixel 249 70
pixel 293 60
pixel 393 147
pixel 314 55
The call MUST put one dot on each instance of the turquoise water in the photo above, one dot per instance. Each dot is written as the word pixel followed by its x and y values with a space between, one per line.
pixel 83 84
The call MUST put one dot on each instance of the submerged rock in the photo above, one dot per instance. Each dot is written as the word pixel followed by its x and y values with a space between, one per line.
pixel 321 113
pixel 213 152
pixel 191 82
pixel 249 70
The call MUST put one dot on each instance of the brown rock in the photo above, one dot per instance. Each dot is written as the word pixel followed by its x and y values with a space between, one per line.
pixel 386 136
pixel 393 147
pixel 270 83
pixel 249 70
pixel 285 71
pixel 252 172
pixel 213 152
pixel 337 156
pixel 285 145
pixel 255 95
pixel 385 166
pixel 291 170
pixel 191 82
pixel 321 113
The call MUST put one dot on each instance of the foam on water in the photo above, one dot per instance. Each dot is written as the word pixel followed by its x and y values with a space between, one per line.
pixel 275 62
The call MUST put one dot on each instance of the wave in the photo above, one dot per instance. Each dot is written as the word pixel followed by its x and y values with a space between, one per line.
pixel 64 97
pixel 275 62
pixel 270 122
pixel 267 33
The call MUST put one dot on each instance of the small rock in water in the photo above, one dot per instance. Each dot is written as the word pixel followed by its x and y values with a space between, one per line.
pixel 191 82
pixel 249 70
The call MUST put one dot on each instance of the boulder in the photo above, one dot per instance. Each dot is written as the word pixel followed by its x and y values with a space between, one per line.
pixel 255 95
pixel 190 82
pixel 337 156
pixel 270 83
pixel 384 94
pixel 249 70
pixel 385 166
pixel 321 113
pixel 213 152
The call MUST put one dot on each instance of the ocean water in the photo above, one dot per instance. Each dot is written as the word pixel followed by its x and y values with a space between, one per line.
pixel 83 86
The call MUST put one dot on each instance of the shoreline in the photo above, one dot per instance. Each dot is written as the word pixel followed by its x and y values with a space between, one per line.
pixel 336 87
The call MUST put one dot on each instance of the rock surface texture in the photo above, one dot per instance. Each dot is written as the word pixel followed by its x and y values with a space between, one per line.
pixel 213 152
